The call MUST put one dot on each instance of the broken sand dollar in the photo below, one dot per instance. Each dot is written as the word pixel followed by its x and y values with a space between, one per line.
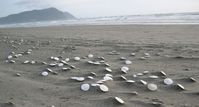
pixel 128 62
pixel 85 87
pixel 44 73
pixel 119 100
pixel 168 81
pixel 103 88
pixel 124 69
pixel 90 55
pixel 76 58
pixel 152 87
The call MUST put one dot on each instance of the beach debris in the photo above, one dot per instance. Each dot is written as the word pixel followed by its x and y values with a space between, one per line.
pixel 85 87
pixel 124 69
pixel 179 86
pixel 44 73
pixel 90 55
pixel 77 58
pixel 79 79
pixel 119 100
pixel 168 81
pixel 103 88
pixel 128 62
pixel 152 87
pixel 108 70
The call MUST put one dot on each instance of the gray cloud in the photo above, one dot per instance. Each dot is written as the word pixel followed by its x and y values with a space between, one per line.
pixel 33 4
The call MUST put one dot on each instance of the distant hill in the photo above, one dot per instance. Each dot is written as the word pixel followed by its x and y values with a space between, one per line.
pixel 48 14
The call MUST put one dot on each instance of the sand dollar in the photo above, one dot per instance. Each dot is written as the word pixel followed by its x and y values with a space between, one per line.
pixel 85 87
pixel 44 73
pixel 168 81
pixel 152 87
pixel 103 88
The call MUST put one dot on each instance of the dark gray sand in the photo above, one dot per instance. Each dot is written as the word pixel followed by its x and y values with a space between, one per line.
pixel 173 49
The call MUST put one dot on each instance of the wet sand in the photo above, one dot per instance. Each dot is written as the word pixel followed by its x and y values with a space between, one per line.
pixel 173 49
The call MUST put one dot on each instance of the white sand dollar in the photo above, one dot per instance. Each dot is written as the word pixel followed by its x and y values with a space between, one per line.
pixel 152 87
pixel 130 81
pixel 107 78
pixel 168 81
pixel 119 100
pixel 103 88
pixel 67 59
pixel 44 73
pixel 180 86
pixel 153 77
pixel 85 87
pixel 143 82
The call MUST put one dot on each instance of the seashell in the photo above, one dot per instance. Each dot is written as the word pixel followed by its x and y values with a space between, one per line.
pixel 168 81
pixel 193 79
pixel 119 100
pixel 67 59
pixel 60 64
pixel 90 77
pixel 72 66
pixel 133 54
pixel 106 64
pixel 10 57
pixel 80 79
pixel 135 76
pixel 142 58
pixel 76 58
pixel 90 55
pixel 49 70
pixel 145 72
pixel 109 75
pixel 122 58
pixel 163 73
pixel 12 61
pixel 52 64
pixel 44 73
pixel 65 69
pixel 95 85
pixel 128 62
pixel 139 74
pixel 143 82
pixel 123 77
pixel 107 78
pixel 26 61
pixel 108 69
pixel 103 88
pixel 124 69
pixel 130 81
pixel 93 73
pixel 33 62
pixel 18 74
pixel 152 87
pixel 85 87
pixel 153 77
pixel 180 86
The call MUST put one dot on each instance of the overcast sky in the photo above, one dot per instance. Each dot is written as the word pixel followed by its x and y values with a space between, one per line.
pixel 95 8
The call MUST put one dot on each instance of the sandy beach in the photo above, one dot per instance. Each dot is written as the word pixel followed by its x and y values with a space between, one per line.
pixel 173 49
